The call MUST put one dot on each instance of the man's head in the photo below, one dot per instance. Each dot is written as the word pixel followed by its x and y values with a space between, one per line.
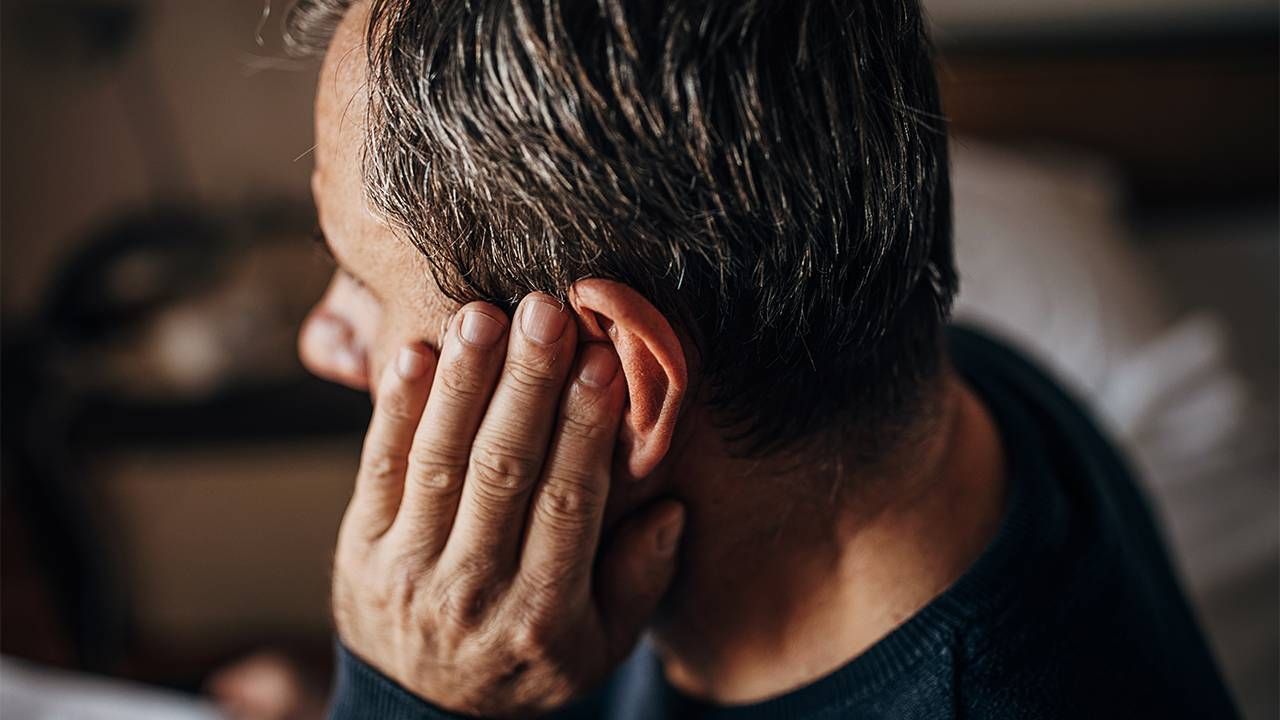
pixel 770 177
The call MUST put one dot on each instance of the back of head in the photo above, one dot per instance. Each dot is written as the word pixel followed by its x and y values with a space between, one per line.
pixel 770 174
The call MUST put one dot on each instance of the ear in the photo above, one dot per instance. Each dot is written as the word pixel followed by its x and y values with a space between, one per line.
pixel 653 364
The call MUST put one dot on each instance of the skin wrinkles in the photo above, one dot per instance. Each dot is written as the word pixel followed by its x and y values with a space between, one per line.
pixel 779 580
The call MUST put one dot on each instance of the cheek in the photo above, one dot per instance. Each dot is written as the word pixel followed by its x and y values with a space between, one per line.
pixel 401 326
pixel 337 337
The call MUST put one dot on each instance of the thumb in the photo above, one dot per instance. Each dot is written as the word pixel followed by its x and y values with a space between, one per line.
pixel 636 571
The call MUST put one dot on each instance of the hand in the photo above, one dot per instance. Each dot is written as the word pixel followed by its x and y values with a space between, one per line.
pixel 467 567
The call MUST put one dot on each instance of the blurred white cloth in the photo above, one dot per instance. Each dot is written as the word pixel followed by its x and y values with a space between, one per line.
pixel 31 692
pixel 1046 262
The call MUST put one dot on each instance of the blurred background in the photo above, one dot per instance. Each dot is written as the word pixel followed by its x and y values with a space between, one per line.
pixel 172 479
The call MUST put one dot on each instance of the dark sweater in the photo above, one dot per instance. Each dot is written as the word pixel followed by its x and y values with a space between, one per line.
pixel 1072 611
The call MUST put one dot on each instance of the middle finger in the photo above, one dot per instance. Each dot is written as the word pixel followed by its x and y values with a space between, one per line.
pixel 507 456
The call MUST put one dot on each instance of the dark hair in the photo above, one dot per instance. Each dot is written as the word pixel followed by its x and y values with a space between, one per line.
pixel 770 174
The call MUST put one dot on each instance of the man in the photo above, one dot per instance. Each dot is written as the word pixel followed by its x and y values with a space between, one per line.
pixel 651 300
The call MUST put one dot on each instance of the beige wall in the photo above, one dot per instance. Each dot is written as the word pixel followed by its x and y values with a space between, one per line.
pixel 224 543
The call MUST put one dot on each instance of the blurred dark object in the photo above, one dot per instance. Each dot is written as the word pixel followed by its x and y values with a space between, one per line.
pixel 175 303
pixel 131 270
pixel 1190 117
pixel 170 326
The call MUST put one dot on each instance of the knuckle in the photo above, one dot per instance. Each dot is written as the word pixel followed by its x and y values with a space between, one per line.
pixel 503 472
pixel 440 481
pixel 381 464
pixel 575 424
pixel 567 501
pixel 438 469
pixel 461 604
pixel 461 611
pixel 461 381
pixel 533 637
pixel 533 376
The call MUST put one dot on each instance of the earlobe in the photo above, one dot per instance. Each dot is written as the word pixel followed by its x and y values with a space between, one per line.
pixel 653 364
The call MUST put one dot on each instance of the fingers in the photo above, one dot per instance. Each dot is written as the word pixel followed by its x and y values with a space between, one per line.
pixel 636 571
pixel 471 355
pixel 506 458
pixel 568 504
pixel 402 393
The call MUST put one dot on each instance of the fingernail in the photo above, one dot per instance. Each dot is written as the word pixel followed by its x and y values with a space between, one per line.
pixel 542 321
pixel 479 329
pixel 411 364
pixel 669 534
pixel 599 366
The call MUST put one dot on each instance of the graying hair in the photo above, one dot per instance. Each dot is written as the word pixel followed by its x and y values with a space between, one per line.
pixel 771 174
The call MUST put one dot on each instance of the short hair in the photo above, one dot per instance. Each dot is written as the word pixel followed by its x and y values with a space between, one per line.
pixel 771 174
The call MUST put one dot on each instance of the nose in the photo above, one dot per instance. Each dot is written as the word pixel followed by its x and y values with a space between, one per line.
pixel 330 348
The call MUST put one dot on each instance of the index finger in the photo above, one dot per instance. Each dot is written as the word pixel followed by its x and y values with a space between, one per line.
pixel 471 355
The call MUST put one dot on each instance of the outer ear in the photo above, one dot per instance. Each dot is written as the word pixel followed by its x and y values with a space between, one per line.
pixel 652 360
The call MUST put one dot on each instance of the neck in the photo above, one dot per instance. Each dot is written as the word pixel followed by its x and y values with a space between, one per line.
pixel 787 576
